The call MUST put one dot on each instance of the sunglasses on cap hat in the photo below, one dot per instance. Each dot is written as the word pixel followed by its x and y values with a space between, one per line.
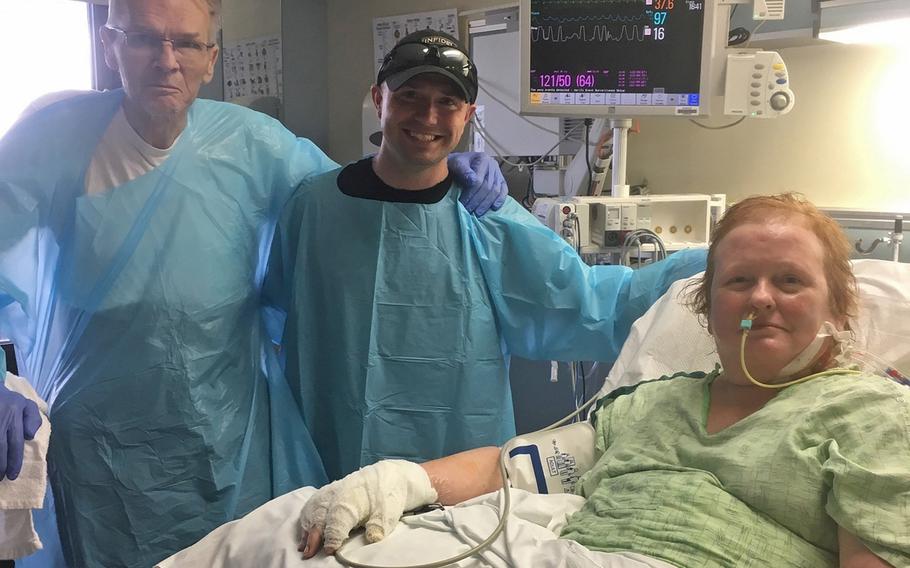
pixel 429 54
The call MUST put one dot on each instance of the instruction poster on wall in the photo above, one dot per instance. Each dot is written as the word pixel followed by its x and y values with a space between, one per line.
pixel 388 30
pixel 253 67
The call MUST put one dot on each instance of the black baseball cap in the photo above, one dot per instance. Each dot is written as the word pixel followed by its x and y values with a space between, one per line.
pixel 429 51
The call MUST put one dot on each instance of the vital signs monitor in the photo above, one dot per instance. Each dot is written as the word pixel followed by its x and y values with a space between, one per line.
pixel 620 58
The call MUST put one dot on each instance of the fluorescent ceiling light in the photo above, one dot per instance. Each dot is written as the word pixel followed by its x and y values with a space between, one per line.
pixel 881 22
pixel 890 32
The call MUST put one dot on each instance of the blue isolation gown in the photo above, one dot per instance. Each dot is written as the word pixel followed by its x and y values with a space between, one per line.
pixel 136 315
pixel 401 317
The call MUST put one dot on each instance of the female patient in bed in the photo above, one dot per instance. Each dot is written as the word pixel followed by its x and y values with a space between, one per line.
pixel 744 466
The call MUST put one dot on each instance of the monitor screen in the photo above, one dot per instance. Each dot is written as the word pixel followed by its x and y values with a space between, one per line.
pixel 622 58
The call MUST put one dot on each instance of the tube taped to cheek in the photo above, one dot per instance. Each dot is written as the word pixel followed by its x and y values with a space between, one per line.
pixel 809 354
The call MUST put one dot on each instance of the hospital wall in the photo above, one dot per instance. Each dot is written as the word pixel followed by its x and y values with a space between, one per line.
pixel 305 44
pixel 842 145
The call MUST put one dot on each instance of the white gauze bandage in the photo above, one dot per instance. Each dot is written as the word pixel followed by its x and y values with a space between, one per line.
pixel 843 341
pixel 375 496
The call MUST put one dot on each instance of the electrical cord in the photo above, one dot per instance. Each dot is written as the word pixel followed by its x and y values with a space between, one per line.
pixel 706 127
pixel 504 509
pixel 509 108
pixel 494 144
pixel 509 168
pixel 588 123
pixel 530 195
pixel 738 36
pixel 501 155
pixel 574 232
pixel 584 384
pixel 573 380
pixel 577 381
pixel 753 32
pixel 643 235
pixel 577 239
pixel 506 505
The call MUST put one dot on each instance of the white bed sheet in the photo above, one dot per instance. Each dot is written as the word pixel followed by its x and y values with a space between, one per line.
pixel 268 536
pixel 666 339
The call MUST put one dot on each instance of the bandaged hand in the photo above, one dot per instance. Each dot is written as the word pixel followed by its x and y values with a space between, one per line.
pixel 374 497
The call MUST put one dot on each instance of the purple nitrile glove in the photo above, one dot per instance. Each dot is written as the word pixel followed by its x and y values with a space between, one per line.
pixel 482 182
pixel 19 421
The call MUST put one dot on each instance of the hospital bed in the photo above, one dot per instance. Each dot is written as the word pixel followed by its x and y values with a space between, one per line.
pixel 668 338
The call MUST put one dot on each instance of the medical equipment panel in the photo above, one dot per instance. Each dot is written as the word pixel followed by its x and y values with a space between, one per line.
pixel 599 225
pixel 757 85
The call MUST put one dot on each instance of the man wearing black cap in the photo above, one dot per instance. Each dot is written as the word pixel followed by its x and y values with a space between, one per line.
pixel 402 309
pixel 424 96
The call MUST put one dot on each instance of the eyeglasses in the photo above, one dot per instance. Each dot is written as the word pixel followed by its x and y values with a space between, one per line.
pixel 408 55
pixel 150 44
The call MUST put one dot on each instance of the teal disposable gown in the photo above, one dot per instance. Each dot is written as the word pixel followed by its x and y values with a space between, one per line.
pixel 136 315
pixel 402 317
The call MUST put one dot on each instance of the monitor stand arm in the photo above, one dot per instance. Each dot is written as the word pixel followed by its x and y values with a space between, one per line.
pixel 620 128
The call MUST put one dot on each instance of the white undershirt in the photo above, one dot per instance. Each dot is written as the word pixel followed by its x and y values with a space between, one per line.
pixel 121 156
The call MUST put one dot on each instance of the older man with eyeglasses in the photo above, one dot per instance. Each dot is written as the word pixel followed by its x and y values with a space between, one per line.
pixel 134 228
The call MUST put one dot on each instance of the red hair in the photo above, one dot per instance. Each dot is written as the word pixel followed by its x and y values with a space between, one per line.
pixel 791 207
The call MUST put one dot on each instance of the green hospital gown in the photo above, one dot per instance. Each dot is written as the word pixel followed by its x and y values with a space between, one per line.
pixel 769 490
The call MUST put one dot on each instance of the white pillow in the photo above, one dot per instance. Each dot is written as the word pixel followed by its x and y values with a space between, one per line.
pixel 669 338
pixel 883 323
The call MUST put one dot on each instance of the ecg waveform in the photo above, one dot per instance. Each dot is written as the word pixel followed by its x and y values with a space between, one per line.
pixel 615 52
pixel 600 32
pixel 607 17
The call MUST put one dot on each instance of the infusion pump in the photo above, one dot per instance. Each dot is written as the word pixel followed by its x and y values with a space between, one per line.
pixel 599 225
